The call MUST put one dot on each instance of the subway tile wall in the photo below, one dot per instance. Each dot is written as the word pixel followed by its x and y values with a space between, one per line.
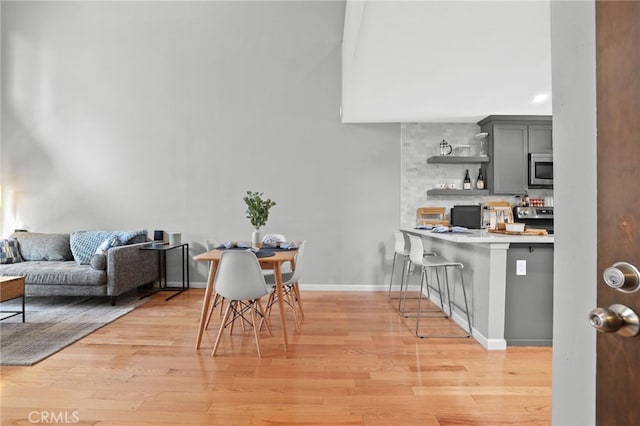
pixel 422 140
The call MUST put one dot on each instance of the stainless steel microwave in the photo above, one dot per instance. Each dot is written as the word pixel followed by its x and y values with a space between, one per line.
pixel 540 170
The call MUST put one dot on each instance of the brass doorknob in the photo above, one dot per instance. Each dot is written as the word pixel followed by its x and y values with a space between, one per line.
pixel 615 319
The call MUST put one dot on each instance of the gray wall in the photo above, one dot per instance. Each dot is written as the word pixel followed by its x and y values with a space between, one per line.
pixel 574 135
pixel 161 115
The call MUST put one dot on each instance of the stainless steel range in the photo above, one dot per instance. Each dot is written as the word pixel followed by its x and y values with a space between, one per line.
pixel 535 217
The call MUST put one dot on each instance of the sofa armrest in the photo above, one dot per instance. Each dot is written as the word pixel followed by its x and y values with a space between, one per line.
pixel 128 267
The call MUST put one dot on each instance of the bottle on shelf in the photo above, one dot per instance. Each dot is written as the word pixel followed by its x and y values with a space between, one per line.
pixel 480 181
pixel 466 183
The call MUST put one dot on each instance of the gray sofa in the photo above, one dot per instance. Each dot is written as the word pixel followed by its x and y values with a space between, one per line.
pixel 52 267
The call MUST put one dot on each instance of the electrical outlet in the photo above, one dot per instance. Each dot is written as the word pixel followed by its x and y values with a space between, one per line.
pixel 521 267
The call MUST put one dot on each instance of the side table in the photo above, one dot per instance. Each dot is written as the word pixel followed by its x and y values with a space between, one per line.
pixel 12 288
pixel 162 250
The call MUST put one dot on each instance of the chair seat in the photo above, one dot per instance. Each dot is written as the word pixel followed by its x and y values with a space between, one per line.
pixel 432 261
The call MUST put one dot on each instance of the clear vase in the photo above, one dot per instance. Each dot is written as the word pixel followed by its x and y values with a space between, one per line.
pixel 255 239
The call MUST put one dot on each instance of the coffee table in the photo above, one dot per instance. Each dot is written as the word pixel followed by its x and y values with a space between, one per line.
pixel 12 288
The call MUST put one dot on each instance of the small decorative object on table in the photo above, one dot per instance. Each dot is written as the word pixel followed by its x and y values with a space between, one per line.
pixel 258 213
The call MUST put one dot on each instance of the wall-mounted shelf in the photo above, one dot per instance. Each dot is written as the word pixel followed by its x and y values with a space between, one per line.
pixel 457 192
pixel 457 159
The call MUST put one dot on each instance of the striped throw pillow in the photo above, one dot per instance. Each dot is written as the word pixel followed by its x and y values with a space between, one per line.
pixel 9 252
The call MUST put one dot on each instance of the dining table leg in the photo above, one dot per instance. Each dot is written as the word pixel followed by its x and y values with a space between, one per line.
pixel 281 306
pixel 205 303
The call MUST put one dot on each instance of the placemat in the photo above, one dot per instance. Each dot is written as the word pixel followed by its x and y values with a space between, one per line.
pixel 259 254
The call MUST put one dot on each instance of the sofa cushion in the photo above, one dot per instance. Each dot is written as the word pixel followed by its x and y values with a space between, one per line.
pixel 84 244
pixel 43 246
pixel 9 252
pixel 56 273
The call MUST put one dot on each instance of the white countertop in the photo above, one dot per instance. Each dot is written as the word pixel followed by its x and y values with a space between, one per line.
pixel 479 236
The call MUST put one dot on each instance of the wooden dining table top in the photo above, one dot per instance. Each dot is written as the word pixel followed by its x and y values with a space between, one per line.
pixel 279 255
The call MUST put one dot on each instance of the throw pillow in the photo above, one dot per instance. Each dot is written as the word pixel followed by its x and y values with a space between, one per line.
pixel 98 262
pixel 84 244
pixel 9 252
pixel 43 246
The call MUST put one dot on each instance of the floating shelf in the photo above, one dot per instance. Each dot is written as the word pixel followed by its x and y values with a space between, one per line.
pixel 457 159
pixel 457 192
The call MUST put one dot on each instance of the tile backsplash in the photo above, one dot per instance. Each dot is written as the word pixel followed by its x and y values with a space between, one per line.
pixel 420 141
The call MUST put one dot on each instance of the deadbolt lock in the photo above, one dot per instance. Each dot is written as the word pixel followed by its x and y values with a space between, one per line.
pixel 622 276
pixel 615 319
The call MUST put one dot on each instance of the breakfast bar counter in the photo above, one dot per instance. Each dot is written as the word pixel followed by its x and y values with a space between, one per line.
pixel 484 255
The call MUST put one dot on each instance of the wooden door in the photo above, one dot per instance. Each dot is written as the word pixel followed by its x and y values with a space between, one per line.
pixel 618 127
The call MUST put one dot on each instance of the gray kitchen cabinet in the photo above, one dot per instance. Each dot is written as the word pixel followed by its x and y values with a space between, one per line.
pixel 511 138
pixel 540 138
pixel 528 319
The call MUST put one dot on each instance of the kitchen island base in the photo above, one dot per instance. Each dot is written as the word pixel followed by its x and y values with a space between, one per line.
pixel 485 260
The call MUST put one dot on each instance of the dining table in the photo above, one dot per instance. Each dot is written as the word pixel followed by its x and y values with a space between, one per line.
pixel 270 259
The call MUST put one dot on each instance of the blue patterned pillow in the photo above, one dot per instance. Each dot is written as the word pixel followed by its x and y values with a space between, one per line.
pixel 84 244
pixel 9 252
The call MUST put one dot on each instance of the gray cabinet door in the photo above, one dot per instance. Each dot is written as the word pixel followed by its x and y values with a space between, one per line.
pixel 540 138
pixel 509 158
pixel 528 317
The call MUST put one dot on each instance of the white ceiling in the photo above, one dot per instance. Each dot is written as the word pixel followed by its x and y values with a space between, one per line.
pixel 445 61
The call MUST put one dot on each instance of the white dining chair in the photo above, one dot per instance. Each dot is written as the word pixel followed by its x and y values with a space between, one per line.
pixel 210 244
pixel 270 240
pixel 240 281
pixel 290 287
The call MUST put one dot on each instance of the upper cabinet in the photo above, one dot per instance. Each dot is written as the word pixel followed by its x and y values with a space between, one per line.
pixel 511 139
pixel 540 139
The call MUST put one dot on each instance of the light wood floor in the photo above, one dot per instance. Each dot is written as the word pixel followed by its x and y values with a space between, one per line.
pixel 355 362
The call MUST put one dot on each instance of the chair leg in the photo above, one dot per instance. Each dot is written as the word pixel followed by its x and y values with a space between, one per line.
pixel 393 267
pixel 450 304
pixel 264 318
pixel 256 332
pixel 403 292
pixel 424 282
pixel 296 289
pixel 217 300
pixel 440 291
pixel 406 266
pixel 224 321
pixel 466 304
pixel 292 302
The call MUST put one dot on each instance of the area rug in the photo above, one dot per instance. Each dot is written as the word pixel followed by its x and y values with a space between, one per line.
pixel 55 322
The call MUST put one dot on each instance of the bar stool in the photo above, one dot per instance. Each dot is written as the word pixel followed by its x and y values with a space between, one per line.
pixel 416 254
pixel 399 250
pixel 437 263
